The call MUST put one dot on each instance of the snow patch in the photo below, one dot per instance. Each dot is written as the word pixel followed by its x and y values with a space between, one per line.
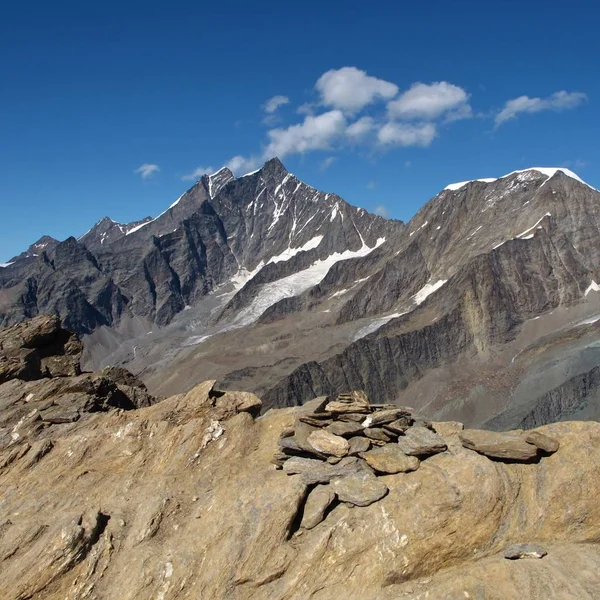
pixel 419 228
pixel 547 171
pixel 290 252
pixel 524 235
pixel 427 290
pixel 176 202
pixel 375 325
pixel 593 287
pixel 4 265
pixel 294 285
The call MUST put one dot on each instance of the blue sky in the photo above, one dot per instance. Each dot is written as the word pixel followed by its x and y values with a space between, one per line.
pixel 383 103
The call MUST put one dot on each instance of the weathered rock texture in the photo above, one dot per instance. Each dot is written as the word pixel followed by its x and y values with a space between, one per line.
pixel 181 500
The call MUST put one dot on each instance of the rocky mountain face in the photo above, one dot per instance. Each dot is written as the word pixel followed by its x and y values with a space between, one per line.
pixel 483 307
pixel 196 496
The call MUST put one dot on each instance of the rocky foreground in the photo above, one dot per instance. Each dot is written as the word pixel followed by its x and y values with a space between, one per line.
pixel 106 493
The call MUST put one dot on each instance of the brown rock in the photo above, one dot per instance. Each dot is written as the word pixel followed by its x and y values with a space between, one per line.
pixel 361 489
pixel 351 417
pixel 383 417
pixel 240 401
pixel 542 441
pixel 390 459
pixel 399 426
pixel 516 551
pixel 420 441
pixel 447 428
pixel 355 402
pixel 507 446
pixel 377 433
pixel 314 422
pixel 317 503
pixel 358 445
pixel 327 443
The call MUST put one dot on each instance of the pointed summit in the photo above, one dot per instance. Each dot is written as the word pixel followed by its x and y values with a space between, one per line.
pixel 215 182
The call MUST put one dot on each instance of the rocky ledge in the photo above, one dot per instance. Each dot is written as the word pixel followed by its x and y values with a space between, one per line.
pixel 180 499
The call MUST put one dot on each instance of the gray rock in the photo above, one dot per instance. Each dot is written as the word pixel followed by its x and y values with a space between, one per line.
pixel 314 471
pixel 345 429
pixel 542 441
pixel 516 551
pixel 506 446
pixel 398 426
pixel 317 503
pixel 420 441
pixel 360 489
pixel 390 459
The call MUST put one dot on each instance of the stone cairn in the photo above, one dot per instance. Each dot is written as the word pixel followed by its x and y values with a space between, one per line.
pixel 341 446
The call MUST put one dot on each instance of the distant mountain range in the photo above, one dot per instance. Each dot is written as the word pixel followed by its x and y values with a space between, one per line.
pixel 482 308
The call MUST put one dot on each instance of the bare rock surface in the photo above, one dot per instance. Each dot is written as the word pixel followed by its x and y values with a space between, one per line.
pixel 327 443
pixel 543 442
pixel 317 503
pixel 361 489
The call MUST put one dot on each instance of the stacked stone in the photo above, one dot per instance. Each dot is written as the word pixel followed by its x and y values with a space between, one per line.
pixel 343 445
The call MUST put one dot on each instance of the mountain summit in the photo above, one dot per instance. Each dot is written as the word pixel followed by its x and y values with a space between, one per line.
pixel 482 305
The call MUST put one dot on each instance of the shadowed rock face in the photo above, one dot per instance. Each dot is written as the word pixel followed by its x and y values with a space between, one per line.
pixel 181 497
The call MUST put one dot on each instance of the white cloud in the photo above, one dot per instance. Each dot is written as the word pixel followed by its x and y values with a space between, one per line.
pixel 371 185
pixel 326 163
pixel 147 170
pixel 431 101
pixel 524 104
pixel 197 173
pixel 350 89
pixel 405 134
pixel 314 133
pixel 382 211
pixel 240 164
pixel 272 104
pixel 360 128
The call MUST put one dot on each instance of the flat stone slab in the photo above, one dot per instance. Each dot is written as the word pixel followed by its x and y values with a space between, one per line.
pixel 376 433
pixel 516 551
pixel 361 489
pixel 327 443
pixel 542 441
pixel 316 471
pixel 420 441
pixel 447 428
pixel 355 402
pixel 382 417
pixel 390 459
pixel 358 445
pixel 317 503
pixel 505 446
pixel 345 429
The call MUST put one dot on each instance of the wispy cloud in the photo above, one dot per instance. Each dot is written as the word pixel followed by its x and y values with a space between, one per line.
pixel 240 164
pixel 272 104
pixel 197 173
pixel 326 163
pixel 557 102
pixel 382 211
pixel 147 170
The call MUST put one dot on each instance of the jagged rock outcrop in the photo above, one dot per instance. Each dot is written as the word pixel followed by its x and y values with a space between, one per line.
pixel 180 499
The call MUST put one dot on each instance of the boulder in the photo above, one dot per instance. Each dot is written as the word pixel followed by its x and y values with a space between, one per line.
pixel 542 441
pixel 318 501
pixel 360 489
pixel 327 443
pixel 420 441
pixel 516 551
pixel 399 426
pixel 390 459
pixel 240 401
pixel 505 446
